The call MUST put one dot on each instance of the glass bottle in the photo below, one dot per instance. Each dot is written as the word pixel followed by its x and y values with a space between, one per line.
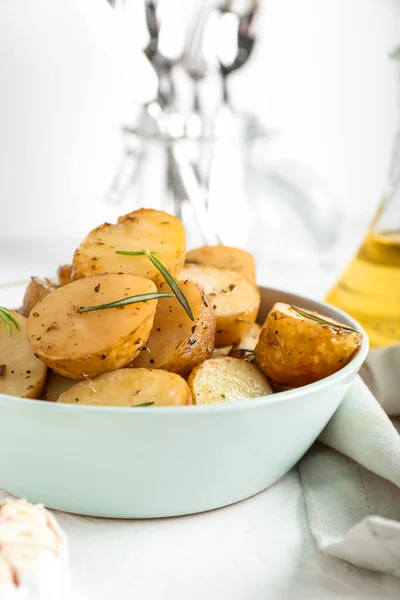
pixel 369 289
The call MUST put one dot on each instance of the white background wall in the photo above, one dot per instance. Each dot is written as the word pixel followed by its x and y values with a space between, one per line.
pixel 320 73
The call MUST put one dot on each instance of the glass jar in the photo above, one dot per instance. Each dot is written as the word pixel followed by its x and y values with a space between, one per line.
pixel 222 179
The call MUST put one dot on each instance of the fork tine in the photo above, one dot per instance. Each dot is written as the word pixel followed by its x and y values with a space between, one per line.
pixel 195 30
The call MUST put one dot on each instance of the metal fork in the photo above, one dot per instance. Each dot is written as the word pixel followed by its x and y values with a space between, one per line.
pixel 194 63
pixel 245 43
pixel 183 176
pixel 153 28
pixel 192 58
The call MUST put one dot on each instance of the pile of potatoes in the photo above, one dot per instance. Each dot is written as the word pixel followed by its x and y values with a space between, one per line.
pixel 151 353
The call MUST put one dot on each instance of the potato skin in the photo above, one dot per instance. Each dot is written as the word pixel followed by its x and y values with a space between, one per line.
pixel 177 343
pixel 79 345
pixel 226 379
pixel 129 388
pixel 294 351
pixel 234 299
pixel 225 257
pixel 24 374
pixel 142 229
pixel 64 273
pixel 35 291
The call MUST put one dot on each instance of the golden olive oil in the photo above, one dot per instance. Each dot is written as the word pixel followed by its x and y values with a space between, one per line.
pixel 369 289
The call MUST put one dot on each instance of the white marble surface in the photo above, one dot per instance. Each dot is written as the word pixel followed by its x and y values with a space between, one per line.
pixel 259 549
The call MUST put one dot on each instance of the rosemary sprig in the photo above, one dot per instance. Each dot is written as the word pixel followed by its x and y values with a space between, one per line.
pixel 8 319
pixel 143 404
pixel 125 301
pixel 170 279
pixel 247 354
pixel 321 321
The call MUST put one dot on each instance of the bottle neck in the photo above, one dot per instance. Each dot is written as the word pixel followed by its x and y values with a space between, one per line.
pixel 387 218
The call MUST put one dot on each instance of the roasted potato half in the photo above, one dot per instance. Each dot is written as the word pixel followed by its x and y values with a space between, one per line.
pixel 177 343
pixel 130 387
pixel 143 229
pixel 226 379
pixel 294 350
pixel 245 348
pixel 55 385
pixel 79 345
pixel 220 352
pixel 21 372
pixel 35 291
pixel 233 297
pixel 225 257
pixel 64 274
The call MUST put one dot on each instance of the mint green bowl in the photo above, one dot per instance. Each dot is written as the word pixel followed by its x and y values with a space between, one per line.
pixel 162 462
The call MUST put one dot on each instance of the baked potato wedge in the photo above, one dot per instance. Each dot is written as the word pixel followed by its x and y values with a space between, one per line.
pixel 78 345
pixel 130 387
pixel 245 348
pixel 55 385
pixel 177 343
pixel 35 291
pixel 64 274
pixel 234 299
pixel 224 257
pixel 21 372
pixel 143 229
pixel 294 350
pixel 226 379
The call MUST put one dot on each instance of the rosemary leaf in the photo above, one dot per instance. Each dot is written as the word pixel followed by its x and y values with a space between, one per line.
pixel 172 282
pixel 143 404
pixel 321 321
pixel 13 320
pixel 170 279
pixel 245 350
pixel 125 301
pixel 8 319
